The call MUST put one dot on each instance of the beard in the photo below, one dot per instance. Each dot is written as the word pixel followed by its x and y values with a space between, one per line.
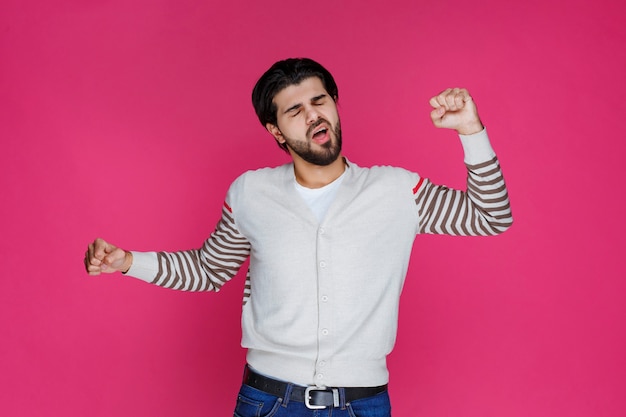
pixel 329 151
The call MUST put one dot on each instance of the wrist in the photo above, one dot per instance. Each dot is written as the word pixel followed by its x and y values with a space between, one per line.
pixel 128 262
pixel 470 128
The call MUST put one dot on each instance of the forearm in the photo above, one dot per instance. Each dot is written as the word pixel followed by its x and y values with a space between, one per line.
pixel 204 269
pixel 482 210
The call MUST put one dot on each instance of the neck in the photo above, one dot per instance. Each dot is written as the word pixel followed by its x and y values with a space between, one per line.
pixel 315 176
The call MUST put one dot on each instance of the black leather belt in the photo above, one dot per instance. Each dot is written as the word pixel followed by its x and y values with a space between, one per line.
pixel 313 397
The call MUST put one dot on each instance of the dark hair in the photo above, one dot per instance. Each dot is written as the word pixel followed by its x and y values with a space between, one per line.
pixel 281 75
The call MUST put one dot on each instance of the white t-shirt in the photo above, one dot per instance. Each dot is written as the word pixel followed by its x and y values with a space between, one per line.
pixel 320 199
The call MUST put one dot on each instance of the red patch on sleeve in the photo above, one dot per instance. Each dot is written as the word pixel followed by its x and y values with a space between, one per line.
pixel 419 184
pixel 228 207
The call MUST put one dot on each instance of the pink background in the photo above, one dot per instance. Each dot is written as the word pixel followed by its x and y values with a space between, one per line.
pixel 128 119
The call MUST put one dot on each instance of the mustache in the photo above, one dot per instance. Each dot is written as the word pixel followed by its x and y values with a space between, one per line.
pixel 316 124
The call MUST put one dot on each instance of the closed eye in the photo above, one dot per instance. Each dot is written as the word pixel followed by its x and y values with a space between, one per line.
pixel 319 100
pixel 293 110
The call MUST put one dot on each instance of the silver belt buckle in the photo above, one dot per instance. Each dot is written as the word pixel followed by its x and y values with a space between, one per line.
pixel 307 397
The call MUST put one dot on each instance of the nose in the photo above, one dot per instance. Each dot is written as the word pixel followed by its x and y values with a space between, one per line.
pixel 311 115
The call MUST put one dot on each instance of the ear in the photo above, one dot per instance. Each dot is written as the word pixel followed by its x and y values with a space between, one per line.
pixel 275 131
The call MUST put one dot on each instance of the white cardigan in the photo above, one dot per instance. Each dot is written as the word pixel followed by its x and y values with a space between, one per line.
pixel 321 300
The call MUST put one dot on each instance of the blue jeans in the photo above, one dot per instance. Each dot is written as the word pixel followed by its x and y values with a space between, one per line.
pixel 254 403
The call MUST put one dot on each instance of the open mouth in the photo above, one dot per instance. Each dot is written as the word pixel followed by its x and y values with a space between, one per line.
pixel 319 134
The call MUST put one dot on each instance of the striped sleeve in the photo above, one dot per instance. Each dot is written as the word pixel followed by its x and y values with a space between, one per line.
pixel 482 210
pixel 207 268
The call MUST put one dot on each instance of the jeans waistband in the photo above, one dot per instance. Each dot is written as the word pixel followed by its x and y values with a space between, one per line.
pixel 314 397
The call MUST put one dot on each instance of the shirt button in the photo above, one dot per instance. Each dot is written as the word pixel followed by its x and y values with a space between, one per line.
pixel 322 264
pixel 322 363
pixel 325 332
pixel 321 231
pixel 320 376
pixel 324 298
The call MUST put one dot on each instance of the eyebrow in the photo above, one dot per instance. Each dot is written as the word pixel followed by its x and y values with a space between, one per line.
pixel 299 105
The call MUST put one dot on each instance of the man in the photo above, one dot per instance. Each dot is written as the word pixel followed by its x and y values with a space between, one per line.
pixel 329 245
